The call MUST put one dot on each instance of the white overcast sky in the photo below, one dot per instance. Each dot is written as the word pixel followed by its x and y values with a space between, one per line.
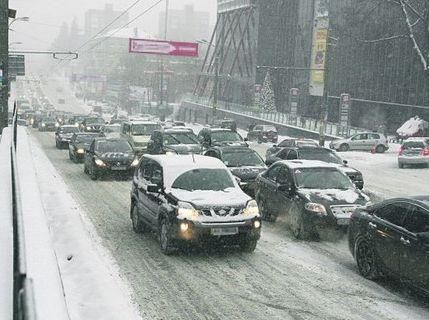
pixel 48 15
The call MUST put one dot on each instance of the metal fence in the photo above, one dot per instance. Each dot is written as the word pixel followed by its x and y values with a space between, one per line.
pixel 306 123
pixel 23 295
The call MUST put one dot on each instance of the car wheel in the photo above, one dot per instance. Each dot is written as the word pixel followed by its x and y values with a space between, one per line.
pixel 344 147
pixel 165 240
pixel 57 144
pixel 265 215
pixel 401 165
pixel 85 168
pixel 93 173
pixel 138 225
pixel 70 155
pixel 299 230
pixel 248 244
pixel 380 149
pixel 365 259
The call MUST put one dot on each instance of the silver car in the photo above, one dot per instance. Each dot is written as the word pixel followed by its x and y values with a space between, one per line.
pixel 364 141
pixel 414 151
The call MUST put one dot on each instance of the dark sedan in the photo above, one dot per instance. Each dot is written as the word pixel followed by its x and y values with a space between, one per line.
pixel 48 124
pixel 244 163
pixel 79 143
pixel 263 133
pixel 64 134
pixel 110 156
pixel 174 140
pixel 92 124
pixel 392 238
pixel 312 194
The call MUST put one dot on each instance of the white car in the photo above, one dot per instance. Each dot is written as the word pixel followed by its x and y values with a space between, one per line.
pixel 414 151
pixel 364 141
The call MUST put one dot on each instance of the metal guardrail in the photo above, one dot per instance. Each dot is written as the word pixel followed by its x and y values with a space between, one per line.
pixel 23 293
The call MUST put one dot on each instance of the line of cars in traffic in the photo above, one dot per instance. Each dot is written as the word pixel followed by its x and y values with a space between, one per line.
pixel 191 188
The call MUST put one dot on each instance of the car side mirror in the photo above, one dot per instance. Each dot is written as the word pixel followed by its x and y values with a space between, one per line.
pixel 274 146
pixel 345 162
pixel 153 188
pixel 290 188
pixel 423 237
pixel 246 139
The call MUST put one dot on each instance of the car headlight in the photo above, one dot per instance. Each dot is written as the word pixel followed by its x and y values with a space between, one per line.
pixel 186 211
pixel 88 128
pixel 80 151
pixel 316 208
pixel 135 162
pixel 76 124
pixel 57 125
pixel 100 163
pixel 252 209
pixel 170 153
pixel 43 125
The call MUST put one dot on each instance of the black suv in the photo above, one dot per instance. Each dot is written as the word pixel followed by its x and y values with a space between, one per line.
pixel 319 154
pixel 211 137
pixel 174 140
pixel 186 198
pixel 110 156
pixel 313 195
pixel 291 142
pixel 244 163
pixel 79 143
pixel 64 134
pixel 263 133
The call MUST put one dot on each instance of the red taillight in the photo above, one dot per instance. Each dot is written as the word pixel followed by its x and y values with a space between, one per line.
pixel 401 151
pixel 425 152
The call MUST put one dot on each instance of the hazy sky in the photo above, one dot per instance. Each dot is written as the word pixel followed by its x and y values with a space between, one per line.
pixel 47 16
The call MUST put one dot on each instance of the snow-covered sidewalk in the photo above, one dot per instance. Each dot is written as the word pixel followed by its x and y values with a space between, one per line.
pixel 53 219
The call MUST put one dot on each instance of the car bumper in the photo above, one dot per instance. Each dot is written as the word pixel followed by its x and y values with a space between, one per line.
pixel 115 170
pixel 319 223
pixel 413 160
pixel 233 231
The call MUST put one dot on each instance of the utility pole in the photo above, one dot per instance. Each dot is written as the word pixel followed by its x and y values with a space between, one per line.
pixel 161 95
pixel 216 87
pixel 4 52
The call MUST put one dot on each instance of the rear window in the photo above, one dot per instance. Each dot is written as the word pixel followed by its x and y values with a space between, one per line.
pixel 414 145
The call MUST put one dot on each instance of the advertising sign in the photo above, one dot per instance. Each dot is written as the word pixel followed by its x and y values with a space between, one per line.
pixel 167 48
pixel 293 101
pixel 319 49
pixel 16 65
pixel 345 104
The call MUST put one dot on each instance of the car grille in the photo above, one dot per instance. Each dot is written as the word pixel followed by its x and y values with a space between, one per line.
pixel 221 212
pixel 343 210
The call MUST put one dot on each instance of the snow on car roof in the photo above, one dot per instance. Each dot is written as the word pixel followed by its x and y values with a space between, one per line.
pixel 175 165
pixel 296 164
pixel 143 122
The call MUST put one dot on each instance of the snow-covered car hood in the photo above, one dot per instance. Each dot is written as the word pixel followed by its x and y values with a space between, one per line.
pixel 185 148
pixel 246 173
pixel 141 139
pixel 232 197
pixel 330 197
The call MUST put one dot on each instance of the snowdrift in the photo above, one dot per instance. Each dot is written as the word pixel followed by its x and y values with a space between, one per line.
pixel 414 127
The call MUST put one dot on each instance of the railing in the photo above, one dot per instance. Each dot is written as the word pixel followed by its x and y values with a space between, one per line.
pixel 23 298
pixel 306 123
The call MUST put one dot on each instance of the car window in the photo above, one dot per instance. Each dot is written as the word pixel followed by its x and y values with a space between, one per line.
pixel 283 176
pixel 362 136
pixel 287 143
pixel 374 136
pixel 319 154
pixel 394 213
pixel 151 172
pixel 292 155
pixel 211 153
pixel 242 158
pixel 283 154
pixel 273 172
pixel 417 221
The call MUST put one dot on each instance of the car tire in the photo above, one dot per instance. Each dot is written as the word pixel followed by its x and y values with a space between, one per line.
pixel 380 149
pixel 297 226
pixel 93 173
pixel 85 168
pixel 365 259
pixel 401 165
pixel 344 147
pixel 248 244
pixel 264 212
pixel 57 145
pixel 166 242
pixel 70 155
pixel 138 224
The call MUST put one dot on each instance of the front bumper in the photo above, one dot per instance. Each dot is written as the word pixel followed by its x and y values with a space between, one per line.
pixel 119 170
pixel 338 218
pixel 413 160
pixel 232 231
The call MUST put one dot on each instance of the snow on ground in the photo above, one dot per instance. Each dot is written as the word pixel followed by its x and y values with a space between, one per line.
pixel 92 287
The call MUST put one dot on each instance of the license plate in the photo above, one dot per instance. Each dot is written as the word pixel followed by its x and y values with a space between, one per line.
pixel 119 168
pixel 224 231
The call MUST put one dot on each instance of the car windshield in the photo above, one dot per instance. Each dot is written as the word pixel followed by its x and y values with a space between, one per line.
pixel 321 155
pixel 231 136
pixel 180 138
pixel 414 145
pixel 242 159
pixel 69 130
pixel 204 179
pixel 105 146
pixel 322 178
pixel 84 138
pixel 94 121
pixel 111 129
pixel 144 129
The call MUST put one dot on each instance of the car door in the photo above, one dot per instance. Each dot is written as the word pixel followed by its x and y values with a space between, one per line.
pixel 154 176
pixel 144 198
pixel 89 154
pixel 387 231
pixel 267 188
pixel 359 141
pixel 373 141
pixel 414 258
pixel 283 197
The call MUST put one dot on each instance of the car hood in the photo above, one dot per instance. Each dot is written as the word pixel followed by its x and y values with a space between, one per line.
pixel 232 197
pixel 141 139
pixel 185 148
pixel 247 173
pixel 115 156
pixel 329 197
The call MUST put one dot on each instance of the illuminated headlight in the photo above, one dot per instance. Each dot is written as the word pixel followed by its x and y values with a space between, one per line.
pixel 88 128
pixel 257 224
pixel 100 163
pixel 80 151
pixel 135 162
pixel 316 208
pixel 76 124
pixel 186 211
pixel 170 153
pixel 57 125
pixel 43 125
pixel 31 121
pixel 184 227
pixel 252 209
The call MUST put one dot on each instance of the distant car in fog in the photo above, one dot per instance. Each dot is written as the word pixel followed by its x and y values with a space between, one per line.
pixel 48 124
pixel 64 134
pixel 92 124
pixel 79 143
pixel 176 140
pixel 138 133
pixel 263 133
pixel 290 142
pixel 210 137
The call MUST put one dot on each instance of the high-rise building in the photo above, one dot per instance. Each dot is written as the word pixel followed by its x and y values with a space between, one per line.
pixel 185 25
pixel 97 19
